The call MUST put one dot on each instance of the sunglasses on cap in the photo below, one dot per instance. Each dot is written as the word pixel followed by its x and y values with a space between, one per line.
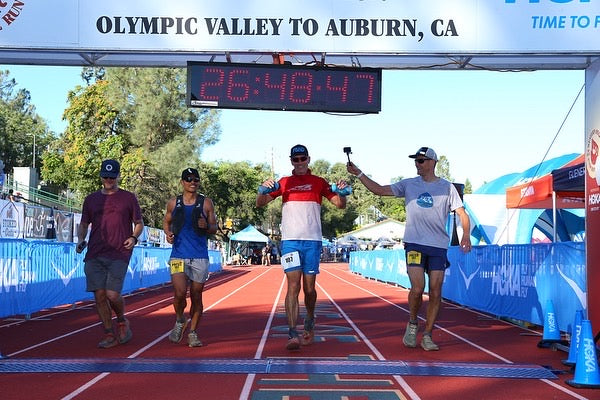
pixel 421 160
pixel 299 159
pixel 191 179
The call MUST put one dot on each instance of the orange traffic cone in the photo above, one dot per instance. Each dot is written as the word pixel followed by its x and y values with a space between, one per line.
pixel 575 339
pixel 586 369
pixel 551 332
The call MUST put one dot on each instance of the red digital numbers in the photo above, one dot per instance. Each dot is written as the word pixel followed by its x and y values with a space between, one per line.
pixel 278 87
pixel 216 78
pixel 301 87
pixel 237 85
pixel 343 88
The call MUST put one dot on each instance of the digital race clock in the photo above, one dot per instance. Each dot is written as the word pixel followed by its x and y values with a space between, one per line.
pixel 283 87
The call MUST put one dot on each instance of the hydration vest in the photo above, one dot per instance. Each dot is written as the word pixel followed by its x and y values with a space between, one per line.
pixel 179 215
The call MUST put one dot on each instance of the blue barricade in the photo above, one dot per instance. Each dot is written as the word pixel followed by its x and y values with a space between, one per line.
pixel 511 281
pixel 39 274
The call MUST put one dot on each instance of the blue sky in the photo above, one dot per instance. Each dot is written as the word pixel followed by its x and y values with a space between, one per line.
pixel 486 123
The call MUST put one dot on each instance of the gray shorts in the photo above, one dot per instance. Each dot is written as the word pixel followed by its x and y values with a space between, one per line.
pixel 104 273
pixel 196 269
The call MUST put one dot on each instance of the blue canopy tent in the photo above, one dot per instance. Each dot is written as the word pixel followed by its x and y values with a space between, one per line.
pixel 249 234
pixel 247 239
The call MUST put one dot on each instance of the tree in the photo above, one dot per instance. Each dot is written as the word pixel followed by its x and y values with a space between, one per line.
pixel 232 186
pixel 442 169
pixel 139 117
pixel 20 126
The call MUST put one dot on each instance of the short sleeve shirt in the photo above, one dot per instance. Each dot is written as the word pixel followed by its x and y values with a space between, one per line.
pixel 301 206
pixel 111 217
pixel 427 207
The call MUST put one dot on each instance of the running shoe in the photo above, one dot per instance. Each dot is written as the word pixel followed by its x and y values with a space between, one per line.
pixel 193 340
pixel 427 344
pixel 125 333
pixel 108 341
pixel 177 332
pixel 410 336
pixel 293 342
pixel 308 336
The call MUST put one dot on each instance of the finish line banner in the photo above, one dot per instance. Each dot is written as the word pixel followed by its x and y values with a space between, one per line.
pixel 350 26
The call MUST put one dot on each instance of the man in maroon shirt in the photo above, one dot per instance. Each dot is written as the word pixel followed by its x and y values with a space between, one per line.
pixel 116 220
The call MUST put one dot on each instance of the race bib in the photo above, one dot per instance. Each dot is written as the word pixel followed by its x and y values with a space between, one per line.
pixel 290 260
pixel 413 257
pixel 176 266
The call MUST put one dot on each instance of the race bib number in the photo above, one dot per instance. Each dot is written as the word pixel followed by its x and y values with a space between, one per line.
pixel 290 260
pixel 176 266
pixel 413 258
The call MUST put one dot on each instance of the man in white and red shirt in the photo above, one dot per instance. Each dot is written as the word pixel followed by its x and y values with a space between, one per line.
pixel 302 194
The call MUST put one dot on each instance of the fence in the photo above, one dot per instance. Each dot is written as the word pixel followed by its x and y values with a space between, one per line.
pixel 511 281
pixel 39 274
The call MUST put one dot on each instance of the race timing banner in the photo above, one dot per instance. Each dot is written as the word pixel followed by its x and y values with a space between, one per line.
pixel 330 26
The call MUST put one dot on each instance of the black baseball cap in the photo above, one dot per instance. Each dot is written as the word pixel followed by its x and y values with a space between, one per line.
pixel 109 169
pixel 190 172
pixel 299 150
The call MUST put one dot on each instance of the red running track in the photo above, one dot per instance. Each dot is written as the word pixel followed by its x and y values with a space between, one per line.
pixel 244 319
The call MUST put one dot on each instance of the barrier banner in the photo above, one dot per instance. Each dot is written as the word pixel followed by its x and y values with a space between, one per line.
pixel 39 223
pixel 39 274
pixel 64 222
pixel 11 219
pixel 511 281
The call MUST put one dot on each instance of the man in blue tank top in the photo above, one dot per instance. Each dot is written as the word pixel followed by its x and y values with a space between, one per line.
pixel 189 219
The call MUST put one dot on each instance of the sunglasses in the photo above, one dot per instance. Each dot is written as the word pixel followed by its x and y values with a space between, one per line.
pixel 191 179
pixel 299 159
pixel 108 177
pixel 421 160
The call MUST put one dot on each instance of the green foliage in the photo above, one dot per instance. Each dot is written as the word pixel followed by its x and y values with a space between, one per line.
pixel 442 168
pixel 335 221
pixel 139 117
pixel 468 187
pixel 20 126
pixel 232 186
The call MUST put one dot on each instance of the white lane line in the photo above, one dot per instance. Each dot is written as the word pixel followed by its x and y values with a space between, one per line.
pixel 247 388
pixel 99 377
pixel 411 393
pixel 167 299
pixel 491 353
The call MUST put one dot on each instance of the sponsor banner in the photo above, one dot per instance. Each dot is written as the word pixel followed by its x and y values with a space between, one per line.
pixel 39 222
pixel 153 235
pixel 40 274
pixel 512 281
pixel 11 219
pixel 592 190
pixel 64 222
pixel 351 26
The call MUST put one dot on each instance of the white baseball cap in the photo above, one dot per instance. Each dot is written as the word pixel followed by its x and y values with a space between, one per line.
pixel 425 152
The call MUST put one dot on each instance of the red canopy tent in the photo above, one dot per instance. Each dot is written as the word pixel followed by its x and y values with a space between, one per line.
pixel 540 193
pixel 562 188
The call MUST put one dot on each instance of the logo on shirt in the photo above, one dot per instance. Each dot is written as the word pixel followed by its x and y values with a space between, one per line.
pixel 425 200
pixel 302 188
